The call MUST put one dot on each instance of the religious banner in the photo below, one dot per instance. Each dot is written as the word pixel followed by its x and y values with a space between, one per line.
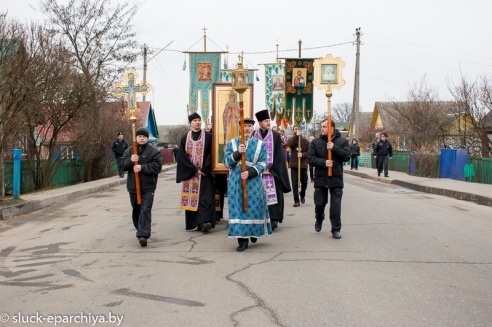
pixel 204 71
pixel 299 75
pixel 274 90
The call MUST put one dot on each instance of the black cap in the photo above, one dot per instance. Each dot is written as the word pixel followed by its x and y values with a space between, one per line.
pixel 142 131
pixel 193 116
pixel 120 133
pixel 262 115
pixel 384 134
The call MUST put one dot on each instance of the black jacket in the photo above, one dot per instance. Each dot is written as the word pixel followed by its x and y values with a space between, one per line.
pixel 354 150
pixel 318 154
pixel 383 148
pixel 119 147
pixel 149 157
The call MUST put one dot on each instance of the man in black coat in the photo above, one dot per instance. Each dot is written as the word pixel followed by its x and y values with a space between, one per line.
pixel 194 171
pixel 119 147
pixel 149 165
pixel 318 157
pixel 276 167
pixel 382 152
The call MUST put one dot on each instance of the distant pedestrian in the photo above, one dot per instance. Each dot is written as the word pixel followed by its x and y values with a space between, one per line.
pixel 324 184
pixel 382 152
pixel 119 147
pixel 148 167
pixel 354 154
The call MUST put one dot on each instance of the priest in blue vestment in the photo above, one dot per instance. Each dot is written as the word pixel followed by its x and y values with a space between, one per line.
pixel 255 222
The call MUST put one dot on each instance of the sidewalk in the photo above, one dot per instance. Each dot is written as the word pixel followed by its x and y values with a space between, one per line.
pixel 38 200
pixel 479 193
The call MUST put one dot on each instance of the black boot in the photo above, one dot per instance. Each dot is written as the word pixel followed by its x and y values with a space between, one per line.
pixel 243 244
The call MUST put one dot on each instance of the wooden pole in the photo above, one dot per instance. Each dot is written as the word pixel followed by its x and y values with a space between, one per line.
pixel 328 95
pixel 243 157
pixel 135 151
pixel 299 150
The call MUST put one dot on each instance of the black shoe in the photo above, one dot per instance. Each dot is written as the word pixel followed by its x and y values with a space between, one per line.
pixel 253 239
pixel 386 175
pixel 318 225
pixel 274 225
pixel 312 181
pixel 296 204
pixel 142 241
pixel 303 200
pixel 336 235
pixel 379 174
pixel 243 244
pixel 206 227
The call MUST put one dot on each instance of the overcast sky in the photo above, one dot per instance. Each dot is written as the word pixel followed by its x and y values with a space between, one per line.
pixel 402 41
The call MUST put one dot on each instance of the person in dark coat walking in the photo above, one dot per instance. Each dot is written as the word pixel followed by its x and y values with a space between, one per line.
pixel 354 154
pixel 194 172
pixel 276 176
pixel 149 165
pixel 318 157
pixel 119 147
pixel 383 152
pixel 295 153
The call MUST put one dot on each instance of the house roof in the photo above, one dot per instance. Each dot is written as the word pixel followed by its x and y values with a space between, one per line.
pixel 383 119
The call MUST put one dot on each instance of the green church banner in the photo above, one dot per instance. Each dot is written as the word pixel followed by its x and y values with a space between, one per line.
pixel 299 76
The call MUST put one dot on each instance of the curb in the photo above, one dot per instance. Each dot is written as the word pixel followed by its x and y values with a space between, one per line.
pixel 479 199
pixel 85 188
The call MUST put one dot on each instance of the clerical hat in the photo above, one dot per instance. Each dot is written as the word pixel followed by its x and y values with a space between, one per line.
pixel 262 115
pixel 249 121
pixel 120 133
pixel 193 116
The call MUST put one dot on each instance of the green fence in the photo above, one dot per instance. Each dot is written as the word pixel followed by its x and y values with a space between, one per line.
pixel 482 168
pixel 70 172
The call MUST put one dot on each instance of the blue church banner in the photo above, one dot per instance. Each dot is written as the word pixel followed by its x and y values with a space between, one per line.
pixel 204 71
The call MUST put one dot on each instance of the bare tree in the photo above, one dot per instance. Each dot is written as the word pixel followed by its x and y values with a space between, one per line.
pixel 175 133
pixel 475 100
pixel 12 88
pixel 101 39
pixel 422 118
pixel 341 112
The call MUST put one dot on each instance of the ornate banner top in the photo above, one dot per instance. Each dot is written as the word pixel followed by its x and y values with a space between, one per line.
pixel 329 73
pixel 130 91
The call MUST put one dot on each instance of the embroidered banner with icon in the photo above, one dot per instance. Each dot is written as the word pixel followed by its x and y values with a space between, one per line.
pixel 299 75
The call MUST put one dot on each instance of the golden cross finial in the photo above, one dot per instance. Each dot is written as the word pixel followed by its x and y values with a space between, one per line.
pixel 204 31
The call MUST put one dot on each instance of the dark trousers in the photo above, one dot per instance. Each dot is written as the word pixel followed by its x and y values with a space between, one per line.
pixel 295 186
pixel 119 163
pixel 142 213
pixel 311 172
pixel 383 164
pixel 321 200
pixel 354 162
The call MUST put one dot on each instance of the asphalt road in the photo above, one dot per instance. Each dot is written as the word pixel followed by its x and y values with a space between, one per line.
pixel 405 259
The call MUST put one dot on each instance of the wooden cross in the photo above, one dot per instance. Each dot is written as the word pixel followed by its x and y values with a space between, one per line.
pixel 130 90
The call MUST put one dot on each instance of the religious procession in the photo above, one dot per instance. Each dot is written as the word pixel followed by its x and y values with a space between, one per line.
pixel 236 154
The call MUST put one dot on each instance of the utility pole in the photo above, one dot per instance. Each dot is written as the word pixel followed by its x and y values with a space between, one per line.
pixel 355 103
pixel 144 123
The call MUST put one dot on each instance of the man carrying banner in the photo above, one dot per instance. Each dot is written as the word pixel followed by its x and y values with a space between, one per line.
pixel 276 177
pixel 254 222
pixel 194 170
pixel 297 152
